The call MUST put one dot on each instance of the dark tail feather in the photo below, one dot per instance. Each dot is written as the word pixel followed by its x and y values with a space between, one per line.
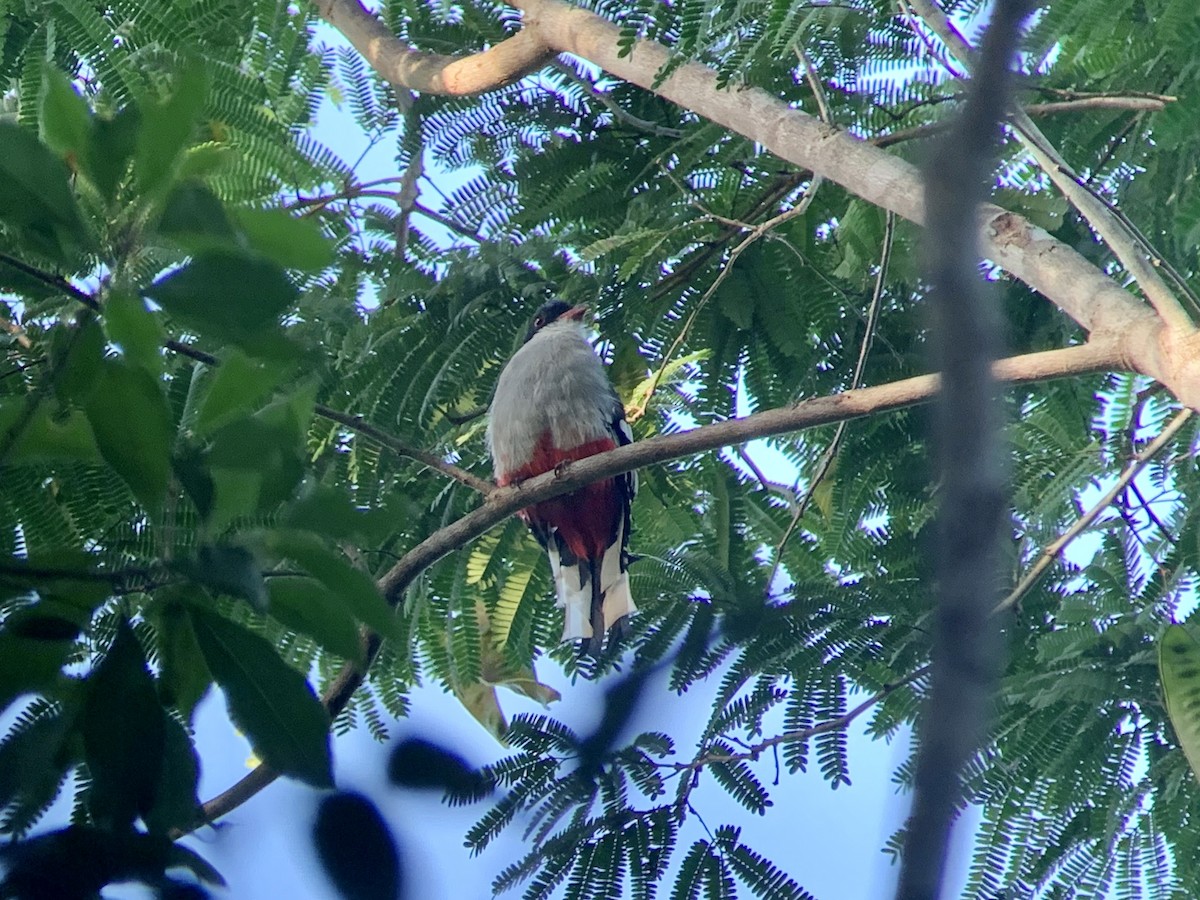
pixel 596 642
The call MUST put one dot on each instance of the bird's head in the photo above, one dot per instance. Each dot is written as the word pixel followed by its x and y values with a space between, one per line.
pixel 554 311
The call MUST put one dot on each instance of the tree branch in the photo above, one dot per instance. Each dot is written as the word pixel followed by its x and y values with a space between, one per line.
pixel 501 503
pixel 1056 547
pixel 431 73
pixel 1097 213
pixel 970 461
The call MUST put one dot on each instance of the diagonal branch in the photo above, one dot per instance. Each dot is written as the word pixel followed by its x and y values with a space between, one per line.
pixel 504 502
pixel 1056 547
pixel 1099 216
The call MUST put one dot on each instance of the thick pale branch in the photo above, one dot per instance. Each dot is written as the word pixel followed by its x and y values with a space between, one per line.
pixel 1029 253
pixel 1026 251
pixel 430 73
pixel 1056 168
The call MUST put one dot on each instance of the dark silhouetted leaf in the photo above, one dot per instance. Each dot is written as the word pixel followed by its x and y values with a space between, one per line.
pixel 268 699
pixel 418 763
pixel 123 734
pixel 76 862
pixel 357 848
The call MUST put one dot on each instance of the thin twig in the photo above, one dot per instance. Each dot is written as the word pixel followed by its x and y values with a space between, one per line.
pixel 1056 547
pixel 825 464
pixel 359 425
pixel 756 232
pixel 619 113
pixel 932 129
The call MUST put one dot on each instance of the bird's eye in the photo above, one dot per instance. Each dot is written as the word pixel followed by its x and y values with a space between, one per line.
pixel 539 322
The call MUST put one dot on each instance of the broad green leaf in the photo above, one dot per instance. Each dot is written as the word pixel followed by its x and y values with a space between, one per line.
pixel 226 294
pixel 45 436
pixel 353 587
pixel 269 701
pixel 37 201
pixel 175 802
pixel 77 352
pixel 110 148
pixel 307 606
pixel 330 512
pixel 229 569
pixel 167 128
pixel 123 734
pixel 291 242
pixel 135 330
pixel 64 117
pixel 239 386
pixel 195 219
pixel 184 678
pixel 1179 670
pixel 132 425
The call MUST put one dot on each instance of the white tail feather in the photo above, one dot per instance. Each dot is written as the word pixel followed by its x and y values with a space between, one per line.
pixel 574 595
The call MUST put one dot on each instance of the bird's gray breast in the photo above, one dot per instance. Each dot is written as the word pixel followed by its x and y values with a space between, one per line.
pixel 554 384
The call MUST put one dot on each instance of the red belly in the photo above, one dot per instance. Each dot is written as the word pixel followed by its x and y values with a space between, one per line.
pixel 586 519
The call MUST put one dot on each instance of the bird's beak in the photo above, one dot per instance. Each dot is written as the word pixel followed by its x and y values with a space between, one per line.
pixel 576 313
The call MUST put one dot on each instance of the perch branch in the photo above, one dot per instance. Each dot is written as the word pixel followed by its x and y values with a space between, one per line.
pixel 504 502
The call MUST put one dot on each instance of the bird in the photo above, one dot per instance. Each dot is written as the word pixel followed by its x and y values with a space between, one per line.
pixel 554 404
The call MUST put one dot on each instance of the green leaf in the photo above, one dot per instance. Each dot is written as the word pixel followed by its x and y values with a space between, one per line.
pixel 184 678
pixel 355 588
pixel 268 700
pixel 132 425
pixel 195 219
pixel 31 664
pixel 292 243
pixel 240 384
pixel 229 569
pixel 37 200
pixel 123 734
pixel 110 147
pixel 65 119
pixel 1179 669
pixel 167 128
pixel 226 294
pixel 77 352
pixel 307 606
pixel 47 437
pixel 135 330
pixel 330 512
pixel 175 803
